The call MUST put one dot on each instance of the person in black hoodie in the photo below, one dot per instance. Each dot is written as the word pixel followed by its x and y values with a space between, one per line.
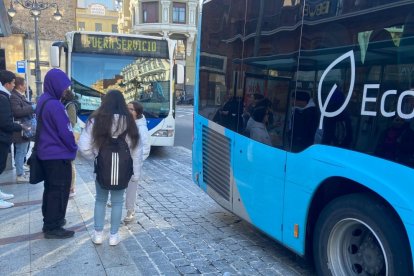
pixel 7 127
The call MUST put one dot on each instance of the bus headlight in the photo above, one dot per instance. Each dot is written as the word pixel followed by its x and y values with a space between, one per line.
pixel 164 133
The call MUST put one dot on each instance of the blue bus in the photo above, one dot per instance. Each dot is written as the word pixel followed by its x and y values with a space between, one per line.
pixel 304 126
pixel 141 67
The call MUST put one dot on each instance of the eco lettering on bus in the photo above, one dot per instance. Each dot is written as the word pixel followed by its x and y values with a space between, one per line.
pixel 404 96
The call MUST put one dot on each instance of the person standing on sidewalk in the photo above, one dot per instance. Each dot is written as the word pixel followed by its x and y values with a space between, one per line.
pixel 56 148
pixel 137 111
pixel 68 100
pixel 22 110
pixel 111 120
pixel 7 127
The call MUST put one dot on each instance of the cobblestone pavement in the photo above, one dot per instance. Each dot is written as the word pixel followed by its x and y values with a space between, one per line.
pixel 181 231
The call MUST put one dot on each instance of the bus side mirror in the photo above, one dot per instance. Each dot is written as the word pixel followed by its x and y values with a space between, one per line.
pixel 54 56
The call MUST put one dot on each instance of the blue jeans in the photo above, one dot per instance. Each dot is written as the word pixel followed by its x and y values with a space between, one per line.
pixel 21 151
pixel 117 200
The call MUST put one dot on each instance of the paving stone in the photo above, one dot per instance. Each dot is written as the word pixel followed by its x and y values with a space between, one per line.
pixel 175 256
pixel 130 270
pixel 180 262
pixel 207 269
pixel 187 269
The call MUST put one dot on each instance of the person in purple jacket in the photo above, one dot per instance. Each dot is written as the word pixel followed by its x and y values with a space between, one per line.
pixel 56 148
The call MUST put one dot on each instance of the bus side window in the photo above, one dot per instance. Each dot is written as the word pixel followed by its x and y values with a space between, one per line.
pixel 406 52
pixel 380 41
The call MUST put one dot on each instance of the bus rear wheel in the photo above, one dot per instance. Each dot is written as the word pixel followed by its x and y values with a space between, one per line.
pixel 358 235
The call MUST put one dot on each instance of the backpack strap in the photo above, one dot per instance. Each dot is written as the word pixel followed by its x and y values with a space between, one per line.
pixel 69 103
pixel 123 135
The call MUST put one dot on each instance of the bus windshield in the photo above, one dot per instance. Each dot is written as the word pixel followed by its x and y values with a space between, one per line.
pixel 145 79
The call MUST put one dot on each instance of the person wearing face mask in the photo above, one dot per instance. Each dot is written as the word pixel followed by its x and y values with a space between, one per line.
pixel 56 148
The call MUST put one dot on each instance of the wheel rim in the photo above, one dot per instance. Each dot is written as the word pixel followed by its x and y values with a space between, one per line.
pixel 355 249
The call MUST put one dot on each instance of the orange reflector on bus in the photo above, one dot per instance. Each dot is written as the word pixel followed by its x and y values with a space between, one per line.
pixel 296 230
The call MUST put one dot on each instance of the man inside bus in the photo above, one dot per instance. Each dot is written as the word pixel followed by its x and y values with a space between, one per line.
pixel 257 125
pixel 305 116
pixel 249 109
pixel 230 115
pixel 336 131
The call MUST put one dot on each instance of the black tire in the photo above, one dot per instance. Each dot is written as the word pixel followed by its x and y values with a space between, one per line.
pixel 358 235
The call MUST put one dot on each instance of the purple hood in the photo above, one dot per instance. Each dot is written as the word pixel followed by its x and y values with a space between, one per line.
pixel 56 82
pixel 56 140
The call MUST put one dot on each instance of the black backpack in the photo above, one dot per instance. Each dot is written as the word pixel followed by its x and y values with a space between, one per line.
pixel 114 165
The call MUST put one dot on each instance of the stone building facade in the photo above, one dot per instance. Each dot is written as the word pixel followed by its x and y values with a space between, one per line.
pixel 175 19
pixel 96 17
pixel 21 44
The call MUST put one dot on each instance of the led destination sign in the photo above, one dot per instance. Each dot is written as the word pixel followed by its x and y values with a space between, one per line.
pixel 110 45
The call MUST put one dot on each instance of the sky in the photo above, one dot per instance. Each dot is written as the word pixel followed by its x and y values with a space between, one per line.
pixel 107 3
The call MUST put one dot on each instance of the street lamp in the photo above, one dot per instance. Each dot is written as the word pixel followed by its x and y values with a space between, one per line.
pixel 35 7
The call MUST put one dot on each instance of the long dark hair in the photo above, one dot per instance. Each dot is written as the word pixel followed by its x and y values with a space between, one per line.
pixel 139 109
pixel 113 103
pixel 67 96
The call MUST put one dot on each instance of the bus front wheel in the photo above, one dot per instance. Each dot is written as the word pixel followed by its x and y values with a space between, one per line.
pixel 358 235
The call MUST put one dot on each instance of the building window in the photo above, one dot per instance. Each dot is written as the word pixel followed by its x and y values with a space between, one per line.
pixel 98 27
pixel 180 50
pixel 150 12
pixel 179 13
pixel 81 26
pixel 134 17
pixel 2 59
pixel 114 28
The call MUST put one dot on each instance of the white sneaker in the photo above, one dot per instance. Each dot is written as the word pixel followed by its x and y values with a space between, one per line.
pixel 26 168
pixel 97 237
pixel 22 179
pixel 4 196
pixel 72 194
pixel 5 204
pixel 130 216
pixel 114 239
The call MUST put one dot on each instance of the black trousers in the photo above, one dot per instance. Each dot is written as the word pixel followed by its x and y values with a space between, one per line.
pixel 4 151
pixel 58 176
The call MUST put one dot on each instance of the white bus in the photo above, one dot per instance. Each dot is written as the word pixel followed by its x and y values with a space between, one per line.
pixel 139 66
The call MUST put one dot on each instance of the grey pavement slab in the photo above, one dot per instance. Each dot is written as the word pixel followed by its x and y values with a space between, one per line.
pixel 15 258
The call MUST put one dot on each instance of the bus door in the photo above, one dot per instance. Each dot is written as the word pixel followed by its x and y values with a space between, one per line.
pixel 259 152
pixel 269 64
